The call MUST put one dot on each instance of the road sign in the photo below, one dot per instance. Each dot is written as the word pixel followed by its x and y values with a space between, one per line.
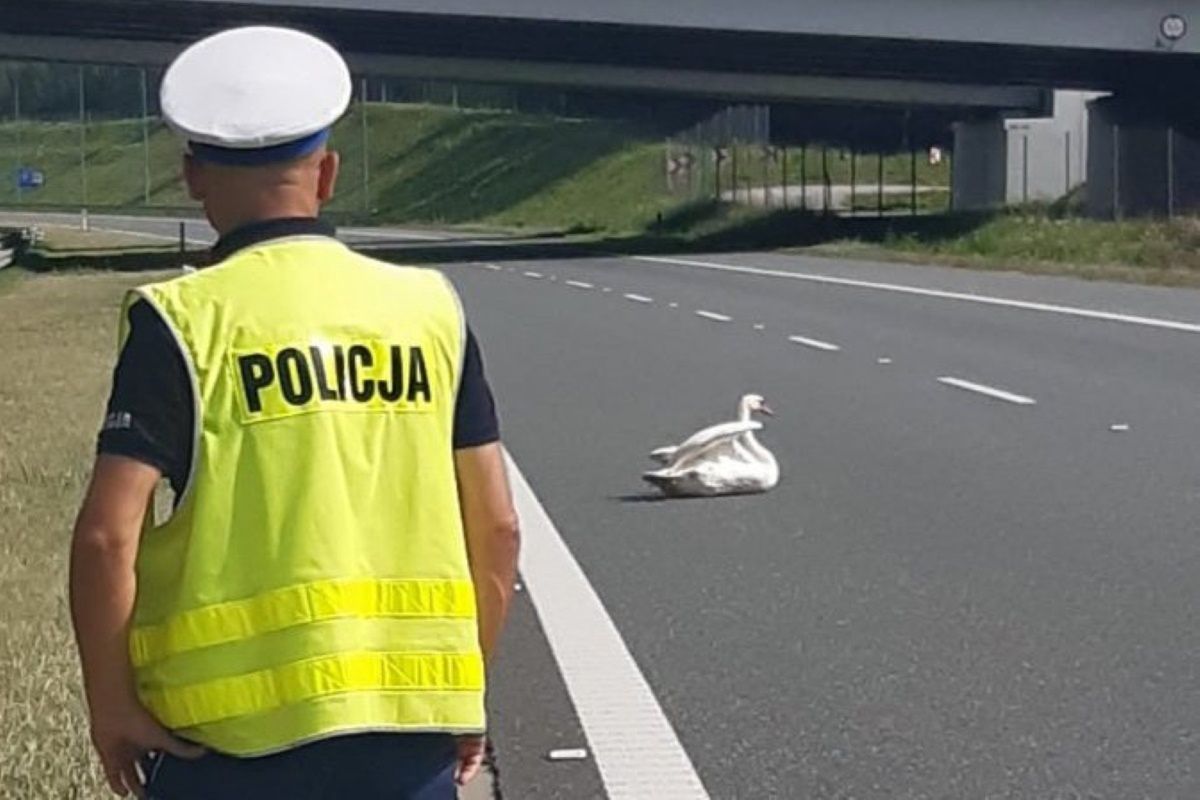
pixel 1174 27
pixel 680 163
pixel 29 178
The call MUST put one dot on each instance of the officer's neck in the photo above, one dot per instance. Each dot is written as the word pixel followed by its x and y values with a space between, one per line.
pixel 244 211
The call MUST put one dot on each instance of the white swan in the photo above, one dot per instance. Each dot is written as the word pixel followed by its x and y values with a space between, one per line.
pixel 723 459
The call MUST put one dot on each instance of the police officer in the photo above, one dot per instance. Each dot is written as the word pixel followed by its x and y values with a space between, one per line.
pixel 314 617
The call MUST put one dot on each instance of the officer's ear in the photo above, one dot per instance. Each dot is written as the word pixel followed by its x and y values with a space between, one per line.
pixel 331 162
pixel 193 176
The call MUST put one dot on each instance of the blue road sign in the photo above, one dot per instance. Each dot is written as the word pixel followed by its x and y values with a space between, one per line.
pixel 29 178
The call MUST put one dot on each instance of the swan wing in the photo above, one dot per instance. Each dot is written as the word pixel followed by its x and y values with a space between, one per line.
pixel 706 441
pixel 664 455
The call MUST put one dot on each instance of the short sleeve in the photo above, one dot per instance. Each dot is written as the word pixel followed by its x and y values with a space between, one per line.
pixel 150 410
pixel 475 420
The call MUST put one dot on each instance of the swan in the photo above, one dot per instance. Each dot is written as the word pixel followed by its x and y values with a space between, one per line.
pixel 723 459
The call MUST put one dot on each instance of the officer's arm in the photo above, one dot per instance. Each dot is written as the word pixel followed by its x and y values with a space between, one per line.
pixel 103 585
pixel 493 536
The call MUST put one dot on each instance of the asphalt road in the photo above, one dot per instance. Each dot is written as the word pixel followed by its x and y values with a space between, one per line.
pixel 981 592
pixel 950 595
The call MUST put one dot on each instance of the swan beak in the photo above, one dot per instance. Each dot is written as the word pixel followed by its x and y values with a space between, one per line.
pixel 765 409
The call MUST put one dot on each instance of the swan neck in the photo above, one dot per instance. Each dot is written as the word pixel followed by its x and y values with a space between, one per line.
pixel 751 442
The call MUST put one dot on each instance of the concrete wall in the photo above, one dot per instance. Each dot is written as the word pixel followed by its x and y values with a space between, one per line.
pixel 1047 158
pixel 1132 25
pixel 980 169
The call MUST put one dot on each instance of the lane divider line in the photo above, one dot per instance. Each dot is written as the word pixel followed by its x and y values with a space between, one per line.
pixel 537 276
pixel 639 298
pixel 638 753
pixel 815 344
pixel 714 316
pixel 581 284
pixel 494 267
pixel 980 299
pixel 988 391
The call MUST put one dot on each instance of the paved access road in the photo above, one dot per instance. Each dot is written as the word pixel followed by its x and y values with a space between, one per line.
pixel 977 579
pixel 198 233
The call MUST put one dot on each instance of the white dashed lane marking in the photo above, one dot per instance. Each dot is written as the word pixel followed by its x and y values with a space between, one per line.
pixel 537 276
pixel 639 298
pixel 581 284
pixel 815 344
pixel 714 316
pixel 988 391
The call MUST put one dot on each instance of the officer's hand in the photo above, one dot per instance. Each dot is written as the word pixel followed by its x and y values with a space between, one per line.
pixel 123 738
pixel 471 751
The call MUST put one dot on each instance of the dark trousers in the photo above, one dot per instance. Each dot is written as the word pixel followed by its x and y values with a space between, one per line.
pixel 395 766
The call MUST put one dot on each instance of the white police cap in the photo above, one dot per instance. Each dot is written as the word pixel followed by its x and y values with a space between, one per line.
pixel 256 95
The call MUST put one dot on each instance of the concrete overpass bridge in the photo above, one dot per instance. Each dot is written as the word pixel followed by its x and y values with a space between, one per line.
pixel 987 53
pixel 979 62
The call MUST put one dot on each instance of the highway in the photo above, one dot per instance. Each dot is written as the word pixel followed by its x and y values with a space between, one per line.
pixel 976 580
pixel 951 594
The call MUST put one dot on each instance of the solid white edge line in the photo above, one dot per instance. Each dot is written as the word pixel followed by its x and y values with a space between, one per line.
pixel 581 284
pixel 1049 308
pixel 387 234
pixel 988 391
pixel 636 749
pixel 815 344
pixel 639 298
pixel 714 316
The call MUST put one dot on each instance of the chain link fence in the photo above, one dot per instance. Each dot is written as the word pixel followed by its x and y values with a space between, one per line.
pixel 88 137
pixel 735 157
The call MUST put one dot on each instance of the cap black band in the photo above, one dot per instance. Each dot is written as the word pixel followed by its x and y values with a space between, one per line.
pixel 235 157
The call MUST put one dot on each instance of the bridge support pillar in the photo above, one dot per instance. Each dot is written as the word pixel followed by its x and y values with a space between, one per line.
pixel 980 164
pixel 1141 161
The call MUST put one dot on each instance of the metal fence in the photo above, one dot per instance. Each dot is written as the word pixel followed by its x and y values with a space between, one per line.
pixel 76 137
pixel 736 157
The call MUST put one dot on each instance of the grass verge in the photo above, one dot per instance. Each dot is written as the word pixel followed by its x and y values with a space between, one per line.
pixel 59 342
pixel 1035 241
pixel 436 165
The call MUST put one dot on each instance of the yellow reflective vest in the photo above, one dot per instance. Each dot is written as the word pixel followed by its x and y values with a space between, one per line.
pixel 313 579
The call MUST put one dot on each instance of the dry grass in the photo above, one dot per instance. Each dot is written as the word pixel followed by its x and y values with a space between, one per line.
pixel 62 239
pixel 57 347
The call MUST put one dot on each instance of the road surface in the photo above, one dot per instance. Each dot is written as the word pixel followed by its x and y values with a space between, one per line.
pixel 977 579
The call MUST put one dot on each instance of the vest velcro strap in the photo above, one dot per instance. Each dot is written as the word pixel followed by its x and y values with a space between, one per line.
pixel 298 605
pixel 257 692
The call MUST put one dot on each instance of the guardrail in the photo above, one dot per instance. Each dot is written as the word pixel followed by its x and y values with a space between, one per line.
pixel 15 242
